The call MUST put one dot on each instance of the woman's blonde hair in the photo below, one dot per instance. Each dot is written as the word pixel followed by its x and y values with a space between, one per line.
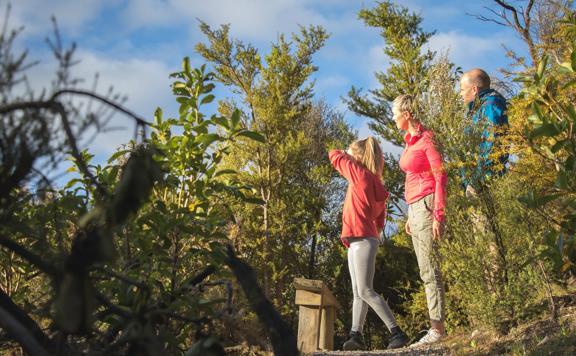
pixel 369 153
pixel 405 103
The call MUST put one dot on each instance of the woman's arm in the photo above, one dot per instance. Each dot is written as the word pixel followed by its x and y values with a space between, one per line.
pixel 440 177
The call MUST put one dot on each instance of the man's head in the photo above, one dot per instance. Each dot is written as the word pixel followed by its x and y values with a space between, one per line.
pixel 472 83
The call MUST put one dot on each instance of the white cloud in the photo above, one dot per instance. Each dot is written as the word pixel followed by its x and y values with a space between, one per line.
pixel 467 51
pixel 378 61
pixel 145 82
pixel 251 20
pixel 140 13
pixel 330 83
pixel 72 15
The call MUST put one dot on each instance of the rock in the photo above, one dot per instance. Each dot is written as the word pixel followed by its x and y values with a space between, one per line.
pixel 474 334
pixel 543 341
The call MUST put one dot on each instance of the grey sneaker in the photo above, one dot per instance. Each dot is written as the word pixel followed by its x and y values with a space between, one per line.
pixel 355 342
pixel 431 337
pixel 398 339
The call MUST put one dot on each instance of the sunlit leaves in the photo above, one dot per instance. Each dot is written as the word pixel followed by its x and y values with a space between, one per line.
pixel 551 134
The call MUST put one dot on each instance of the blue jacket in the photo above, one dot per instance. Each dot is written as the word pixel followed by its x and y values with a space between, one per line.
pixel 488 112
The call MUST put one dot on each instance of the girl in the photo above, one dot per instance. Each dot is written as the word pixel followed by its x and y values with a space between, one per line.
pixel 425 194
pixel 363 219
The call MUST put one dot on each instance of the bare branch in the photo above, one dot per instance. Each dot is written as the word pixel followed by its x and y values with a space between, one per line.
pixel 21 334
pixel 527 17
pixel 58 107
pixel 120 108
pixel 506 5
pixel 111 307
pixel 487 19
pixel 122 278
pixel 24 320
pixel 29 256
pixel 522 29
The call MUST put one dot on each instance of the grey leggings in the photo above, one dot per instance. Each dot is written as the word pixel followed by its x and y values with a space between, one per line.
pixel 361 263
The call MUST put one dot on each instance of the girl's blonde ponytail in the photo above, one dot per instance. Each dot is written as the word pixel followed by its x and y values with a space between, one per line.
pixel 368 152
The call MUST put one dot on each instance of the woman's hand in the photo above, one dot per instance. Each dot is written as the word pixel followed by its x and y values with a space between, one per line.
pixel 437 229
pixel 407 228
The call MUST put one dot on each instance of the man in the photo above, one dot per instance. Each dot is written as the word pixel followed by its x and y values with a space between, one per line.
pixel 487 110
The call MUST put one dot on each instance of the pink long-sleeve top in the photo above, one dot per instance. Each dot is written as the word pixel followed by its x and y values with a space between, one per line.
pixel 425 173
pixel 364 212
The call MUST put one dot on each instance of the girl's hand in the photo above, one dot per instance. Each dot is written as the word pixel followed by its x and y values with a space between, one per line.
pixel 407 228
pixel 437 229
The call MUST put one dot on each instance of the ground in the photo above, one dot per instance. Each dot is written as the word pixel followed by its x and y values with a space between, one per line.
pixel 541 337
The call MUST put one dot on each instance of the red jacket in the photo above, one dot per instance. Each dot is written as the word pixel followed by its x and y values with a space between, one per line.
pixel 364 213
pixel 425 172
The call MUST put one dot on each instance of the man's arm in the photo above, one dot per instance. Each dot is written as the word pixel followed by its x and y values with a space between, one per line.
pixel 495 123
pixel 440 178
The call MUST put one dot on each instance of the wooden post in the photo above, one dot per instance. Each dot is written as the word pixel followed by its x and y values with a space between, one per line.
pixel 316 315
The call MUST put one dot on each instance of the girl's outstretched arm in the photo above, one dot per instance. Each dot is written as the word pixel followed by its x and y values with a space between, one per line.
pixel 345 165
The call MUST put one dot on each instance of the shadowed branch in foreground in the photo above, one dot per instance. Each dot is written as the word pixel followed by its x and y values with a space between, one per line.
pixel 281 335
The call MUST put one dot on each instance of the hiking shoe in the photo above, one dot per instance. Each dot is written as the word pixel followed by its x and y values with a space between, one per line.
pixel 355 342
pixel 431 337
pixel 398 339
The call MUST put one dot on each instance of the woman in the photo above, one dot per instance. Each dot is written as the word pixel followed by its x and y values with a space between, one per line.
pixel 425 194
pixel 363 219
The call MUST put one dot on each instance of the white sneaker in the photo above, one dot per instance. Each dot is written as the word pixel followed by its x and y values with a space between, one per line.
pixel 431 336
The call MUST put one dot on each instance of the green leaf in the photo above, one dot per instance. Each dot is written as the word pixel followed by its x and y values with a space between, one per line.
pixel 570 164
pixel 71 183
pixel 179 85
pixel 252 135
pixel 207 99
pixel 523 79
pixel 220 121
pixel 257 201
pixel 207 88
pixel 225 171
pixel 536 110
pixel 558 146
pixel 547 130
pixel 201 128
pixel 569 84
pixel 116 155
pixel 573 60
pixel 235 119
pixel 541 67
pixel 186 64
pixel 567 66
pixel 561 180
pixel 182 100
pixel 532 201
pixel 207 139
pixel 535 119
pixel 571 112
pixel 543 200
pixel 158 117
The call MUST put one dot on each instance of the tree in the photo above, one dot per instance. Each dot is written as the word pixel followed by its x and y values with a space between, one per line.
pixel 404 40
pixel 290 170
pixel 124 259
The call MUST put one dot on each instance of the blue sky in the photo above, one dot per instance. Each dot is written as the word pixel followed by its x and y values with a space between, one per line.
pixel 135 44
